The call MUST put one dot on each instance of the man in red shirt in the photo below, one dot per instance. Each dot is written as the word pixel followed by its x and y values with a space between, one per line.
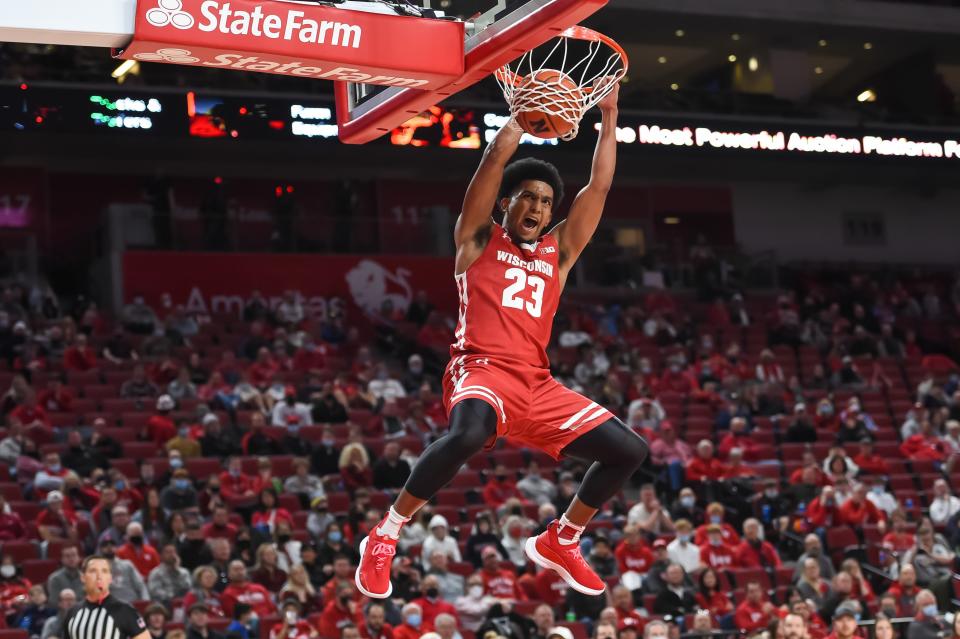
pixel 501 488
pixel 30 413
pixel 160 426
pixel 137 551
pixel 432 605
pixel 241 589
pixel 219 525
pixel 754 611
pixel 55 523
pixel 339 612
pixel 550 587
pixel 627 614
pixel 754 552
pixel 292 625
pixel 715 553
pixel 262 371
pixel 632 554
pixel 925 445
pixel 235 485
pixel 705 467
pixel 844 623
pixel 375 625
pixel 858 510
pixel 311 358
pixel 822 511
pixel 497 582
pixel 905 591
pixel 56 397
pixel 738 437
pixel 79 357
pixel 869 462
pixel 899 540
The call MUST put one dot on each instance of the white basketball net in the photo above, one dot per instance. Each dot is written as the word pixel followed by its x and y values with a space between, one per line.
pixel 599 69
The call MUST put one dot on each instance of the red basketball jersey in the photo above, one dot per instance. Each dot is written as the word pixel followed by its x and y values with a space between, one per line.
pixel 508 298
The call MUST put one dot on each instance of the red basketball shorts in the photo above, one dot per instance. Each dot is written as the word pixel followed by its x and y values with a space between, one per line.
pixel 533 408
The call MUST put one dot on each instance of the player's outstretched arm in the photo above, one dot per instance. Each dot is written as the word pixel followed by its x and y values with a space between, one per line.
pixel 575 232
pixel 481 197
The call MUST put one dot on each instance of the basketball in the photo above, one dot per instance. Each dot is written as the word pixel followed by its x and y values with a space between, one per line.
pixel 543 96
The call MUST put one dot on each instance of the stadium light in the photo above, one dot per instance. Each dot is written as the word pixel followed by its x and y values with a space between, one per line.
pixel 127 66
pixel 753 64
pixel 867 95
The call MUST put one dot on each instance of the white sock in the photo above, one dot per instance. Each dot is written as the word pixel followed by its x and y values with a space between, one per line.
pixel 566 523
pixel 392 525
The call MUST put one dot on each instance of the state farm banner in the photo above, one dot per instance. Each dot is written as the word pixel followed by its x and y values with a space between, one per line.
pixel 298 39
pixel 221 283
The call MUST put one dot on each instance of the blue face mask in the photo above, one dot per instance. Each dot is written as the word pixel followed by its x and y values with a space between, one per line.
pixel 181 484
pixel 176 462
pixel 688 502
pixel 716 519
pixel 55 468
pixel 413 620
pixel 335 536
pixel 120 485
pixel 930 611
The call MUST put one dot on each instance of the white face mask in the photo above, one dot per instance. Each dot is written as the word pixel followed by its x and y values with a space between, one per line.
pixel 291 617
pixel 8 571
pixel 476 591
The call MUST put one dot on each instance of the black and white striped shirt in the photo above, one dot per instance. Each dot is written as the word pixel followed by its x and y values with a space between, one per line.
pixel 108 619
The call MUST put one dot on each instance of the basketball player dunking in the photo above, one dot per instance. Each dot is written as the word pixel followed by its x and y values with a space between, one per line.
pixel 498 383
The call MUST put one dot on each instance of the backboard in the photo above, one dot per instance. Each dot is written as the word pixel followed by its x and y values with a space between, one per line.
pixel 499 32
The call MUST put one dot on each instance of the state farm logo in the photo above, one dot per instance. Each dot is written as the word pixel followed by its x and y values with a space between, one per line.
pixel 177 56
pixel 292 25
pixel 170 12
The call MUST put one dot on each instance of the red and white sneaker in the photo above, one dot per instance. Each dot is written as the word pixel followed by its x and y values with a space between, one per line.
pixel 376 557
pixel 546 551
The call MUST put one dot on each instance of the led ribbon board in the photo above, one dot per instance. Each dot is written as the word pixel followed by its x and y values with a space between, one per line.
pixel 301 40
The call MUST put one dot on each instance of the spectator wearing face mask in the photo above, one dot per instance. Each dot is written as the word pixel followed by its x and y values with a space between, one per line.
pixel 927 624
pixel 292 626
pixel 474 605
pixel 412 625
pixel 501 488
pixel 289 412
pixel 137 551
pixel 686 506
pixel 754 552
pixel 184 442
pixel 180 493
pixel 682 550
pixel 715 553
pixel 715 516
pixel 431 604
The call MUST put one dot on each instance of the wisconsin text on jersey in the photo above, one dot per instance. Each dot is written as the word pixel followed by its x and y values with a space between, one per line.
pixel 536 266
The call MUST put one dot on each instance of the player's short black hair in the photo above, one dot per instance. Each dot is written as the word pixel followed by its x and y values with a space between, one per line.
pixel 532 169
pixel 90 559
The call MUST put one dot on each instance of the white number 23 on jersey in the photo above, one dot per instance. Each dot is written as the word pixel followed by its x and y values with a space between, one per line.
pixel 511 294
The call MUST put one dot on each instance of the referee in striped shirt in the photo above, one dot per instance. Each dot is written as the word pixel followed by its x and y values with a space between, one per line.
pixel 101 615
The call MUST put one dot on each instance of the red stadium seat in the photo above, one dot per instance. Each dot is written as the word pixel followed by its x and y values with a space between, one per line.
pixel 8 633
pixel 21 550
pixel 37 570
pixel 139 450
pixel 11 491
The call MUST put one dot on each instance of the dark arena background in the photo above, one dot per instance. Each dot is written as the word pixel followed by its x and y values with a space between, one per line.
pixel 223 333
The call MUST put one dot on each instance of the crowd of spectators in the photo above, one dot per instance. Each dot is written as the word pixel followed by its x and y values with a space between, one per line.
pixel 800 481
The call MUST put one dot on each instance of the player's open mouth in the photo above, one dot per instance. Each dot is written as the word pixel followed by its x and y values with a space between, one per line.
pixel 529 223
